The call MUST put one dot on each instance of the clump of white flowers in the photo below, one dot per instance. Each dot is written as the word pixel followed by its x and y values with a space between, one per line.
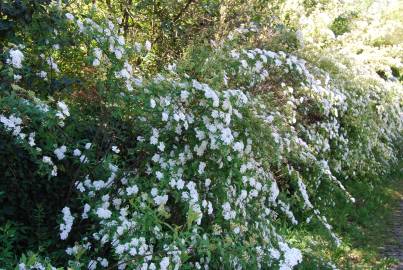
pixel 60 152
pixel 16 58
pixel 67 224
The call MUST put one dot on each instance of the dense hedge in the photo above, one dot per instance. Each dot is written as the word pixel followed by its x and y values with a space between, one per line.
pixel 105 165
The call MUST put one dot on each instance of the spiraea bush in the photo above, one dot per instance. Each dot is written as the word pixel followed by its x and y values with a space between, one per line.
pixel 198 166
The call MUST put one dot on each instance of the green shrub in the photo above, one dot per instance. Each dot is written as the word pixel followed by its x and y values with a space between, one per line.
pixel 202 165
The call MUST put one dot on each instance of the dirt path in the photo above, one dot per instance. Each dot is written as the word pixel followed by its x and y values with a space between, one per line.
pixel 394 249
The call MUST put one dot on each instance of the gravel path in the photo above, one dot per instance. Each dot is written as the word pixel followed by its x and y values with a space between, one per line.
pixel 394 249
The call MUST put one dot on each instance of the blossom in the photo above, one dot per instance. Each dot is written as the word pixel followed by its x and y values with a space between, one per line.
pixel 161 200
pixel 87 208
pixel 152 103
pixel 154 192
pixel 103 262
pixel 31 139
pixel 65 227
pixel 16 58
pixel 226 135
pixel 104 213
pixel 83 159
pixel 164 263
pixel 47 160
pixel 159 175
pixel 92 265
pixel 118 53
pixel 59 152
pixel 227 212
pixel 63 107
pixel 76 152
pixel 96 62
pixel 69 16
pixel 161 146
pixel 180 184
pixel 115 149
pixel 148 45
pixel 184 95
pixel 165 116
pixel 42 74
pixel 132 190
pixel 53 65
pixel 202 166
pixel 17 77
pixel 238 146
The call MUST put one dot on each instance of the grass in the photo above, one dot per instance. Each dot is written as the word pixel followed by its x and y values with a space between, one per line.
pixel 363 228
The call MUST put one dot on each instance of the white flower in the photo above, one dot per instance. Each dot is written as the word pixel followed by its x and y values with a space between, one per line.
pixel 76 152
pixel 96 62
pixel 54 171
pixel 152 103
pixel 99 184
pixel 121 40
pixel 226 136
pixel 165 116
pixel 63 107
pixel 47 160
pixel 42 74
pixel 274 191
pixel 132 190
pixel 164 263
pixel 87 208
pixel 180 184
pixel 83 159
pixel 92 265
pixel 104 213
pixel 159 175
pixel 65 227
pixel 70 16
pixel 31 139
pixel 17 77
pixel 51 62
pixel 148 45
pixel 238 146
pixel 118 54
pixel 59 152
pixel 202 166
pixel 154 192
pixel 161 146
pixel 115 149
pixel 160 200
pixel 184 95
pixel 104 262
pixel 16 58
pixel 227 212
pixel 98 53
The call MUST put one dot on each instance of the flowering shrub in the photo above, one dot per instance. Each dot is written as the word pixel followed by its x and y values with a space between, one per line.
pixel 174 171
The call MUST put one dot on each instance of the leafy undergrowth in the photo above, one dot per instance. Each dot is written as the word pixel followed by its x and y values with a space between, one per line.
pixel 364 228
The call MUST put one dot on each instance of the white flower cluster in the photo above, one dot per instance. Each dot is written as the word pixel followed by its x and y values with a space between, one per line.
pixel 16 58
pixel 68 220
pixel 59 152
pixel 201 173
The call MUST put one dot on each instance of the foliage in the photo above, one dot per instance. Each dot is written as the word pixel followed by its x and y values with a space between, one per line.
pixel 210 162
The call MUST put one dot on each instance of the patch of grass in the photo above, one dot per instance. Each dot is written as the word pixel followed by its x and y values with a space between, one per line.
pixel 363 228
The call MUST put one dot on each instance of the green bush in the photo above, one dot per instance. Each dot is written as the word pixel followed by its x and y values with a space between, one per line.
pixel 202 165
